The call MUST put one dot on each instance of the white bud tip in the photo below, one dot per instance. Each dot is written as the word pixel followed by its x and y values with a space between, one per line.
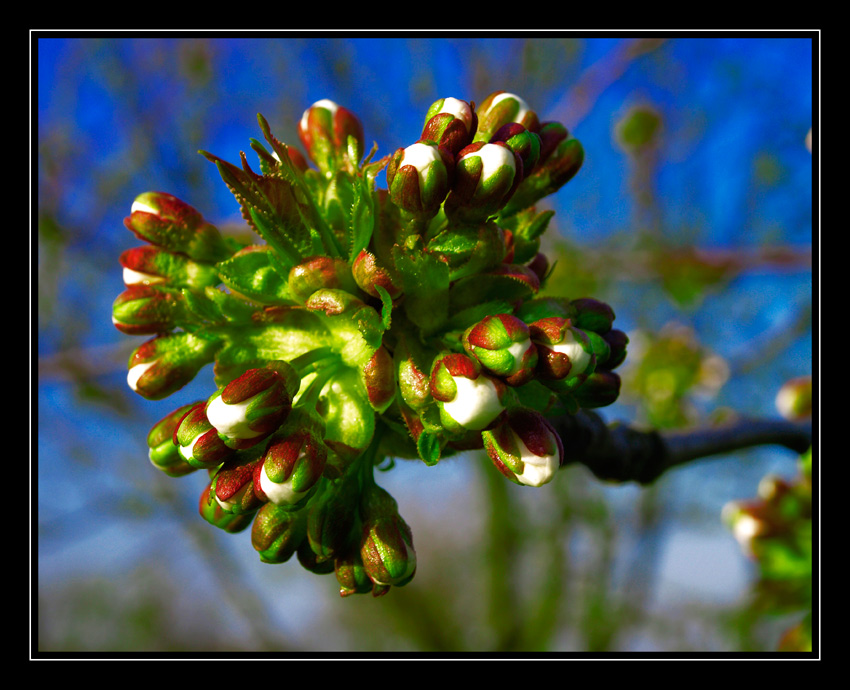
pixel 492 158
pixel 476 403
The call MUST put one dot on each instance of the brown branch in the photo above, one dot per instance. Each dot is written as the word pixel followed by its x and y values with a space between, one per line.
pixel 621 453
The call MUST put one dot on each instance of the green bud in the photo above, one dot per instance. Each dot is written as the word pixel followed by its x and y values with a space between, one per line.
pixel 450 123
pixel 486 176
pixel 162 447
pixel 277 533
pixel 501 108
pixel 150 265
pixel 502 345
pixel 148 309
pixel 325 129
pixel 213 513
pixel 386 548
pixel 419 177
pixel 166 363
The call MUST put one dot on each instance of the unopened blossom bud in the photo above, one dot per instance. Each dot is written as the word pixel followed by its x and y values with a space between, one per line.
pixel 379 379
pixel 172 224
pixel 551 134
pixel 413 379
pixel 295 156
pixel 486 176
pixel 370 275
pixel 749 522
pixel 330 522
pixel 198 442
pixel 351 574
pixel 233 483
pixel 502 345
pixel 254 405
pixel 318 272
pixel 794 399
pixel 147 309
pixel 149 265
pixel 525 448
pixel 521 141
pixel 213 513
pixel 501 108
pixel 165 364
pixel 468 399
pixel 592 315
pixel 419 177
pixel 548 176
pixel 162 448
pixel 277 533
pixel 324 129
pixel 292 465
pixel 450 123
pixel 601 388
pixel 617 343
pixel 310 561
pixel 564 352
pixel 386 546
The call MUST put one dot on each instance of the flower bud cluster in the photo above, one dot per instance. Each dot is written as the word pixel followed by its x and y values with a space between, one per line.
pixel 365 324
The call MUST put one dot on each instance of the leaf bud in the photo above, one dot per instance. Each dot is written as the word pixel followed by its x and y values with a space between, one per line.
pixel 370 275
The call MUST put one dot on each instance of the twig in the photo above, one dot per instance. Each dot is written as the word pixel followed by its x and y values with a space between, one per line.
pixel 621 453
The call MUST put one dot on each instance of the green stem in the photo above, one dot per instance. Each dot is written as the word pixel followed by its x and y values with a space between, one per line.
pixel 310 397
pixel 312 361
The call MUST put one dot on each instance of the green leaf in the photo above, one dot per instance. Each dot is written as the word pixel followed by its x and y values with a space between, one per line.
pixel 386 307
pixel 362 217
pixel 425 281
pixel 428 447
pixel 253 273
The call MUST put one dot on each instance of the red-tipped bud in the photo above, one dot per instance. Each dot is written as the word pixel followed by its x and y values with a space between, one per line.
pixel 524 143
pixel 525 448
pixel 254 405
pixel 468 399
pixel 369 276
pixel 277 533
pixel 167 222
pixel 502 345
pixel 163 451
pixel 486 176
pixel 292 465
pixel 326 129
pixel 450 123
pixel 147 310
pixel 563 351
pixel 318 272
pixel 387 543
pixel 419 177
pixel 501 108
pixel 166 363
pixel 198 441
pixel 213 513
pixel 379 379
pixel 149 265
pixel 233 484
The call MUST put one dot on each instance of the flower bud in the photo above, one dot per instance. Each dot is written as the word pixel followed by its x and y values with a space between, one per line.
pixel 386 547
pixel 331 520
pixel 292 465
pixel 548 176
pixel 419 177
pixel 551 134
pixel 794 399
pixel 233 484
pixel 369 275
pixel 324 129
pixel 318 272
pixel 351 574
pixel 525 448
pixel 450 123
pixel 254 405
pixel 162 448
pixel 501 108
pixel 486 176
pixel 213 513
pixel 467 398
pixel 617 342
pixel 502 345
pixel 522 142
pixel 149 265
pixel 198 442
pixel 169 223
pixel 147 310
pixel 379 379
pixel 564 352
pixel 413 379
pixel 277 533
pixel 165 364
pixel 592 315
pixel 601 388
